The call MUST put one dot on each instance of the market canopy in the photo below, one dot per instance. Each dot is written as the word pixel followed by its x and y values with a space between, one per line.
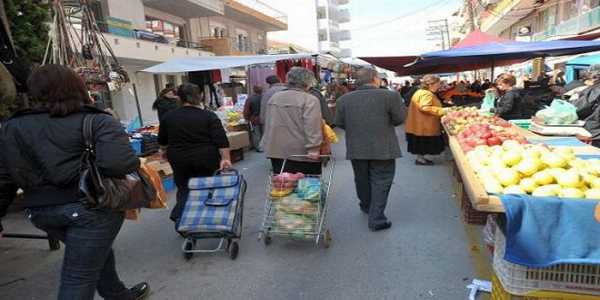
pixel 205 63
pixel 496 54
pixel 397 63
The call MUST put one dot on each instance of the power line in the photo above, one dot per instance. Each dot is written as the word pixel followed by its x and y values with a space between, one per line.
pixel 370 26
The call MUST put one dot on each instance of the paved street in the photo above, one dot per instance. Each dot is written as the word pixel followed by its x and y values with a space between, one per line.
pixel 426 254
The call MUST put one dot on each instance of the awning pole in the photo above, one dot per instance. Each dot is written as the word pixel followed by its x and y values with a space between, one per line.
pixel 137 102
pixel 493 67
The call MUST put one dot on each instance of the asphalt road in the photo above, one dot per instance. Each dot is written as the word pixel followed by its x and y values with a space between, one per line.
pixel 427 254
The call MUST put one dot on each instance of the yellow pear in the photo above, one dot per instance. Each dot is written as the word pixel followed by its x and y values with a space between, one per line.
pixel 571 193
pixel 544 191
pixel 528 184
pixel 528 167
pixel 511 158
pixel 553 160
pixel 514 189
pixel 592 194
pixel 569 179
pixel 543 178
pixel 508 177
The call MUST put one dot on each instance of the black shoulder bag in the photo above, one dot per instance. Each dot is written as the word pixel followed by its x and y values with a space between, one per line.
pixel 132 191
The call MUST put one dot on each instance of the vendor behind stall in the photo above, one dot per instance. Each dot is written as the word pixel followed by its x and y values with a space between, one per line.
pixel 508 106
pixel 587 106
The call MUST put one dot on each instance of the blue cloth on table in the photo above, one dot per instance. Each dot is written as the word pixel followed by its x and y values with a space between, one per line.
pixel 588 156
pixel 566 141
pixel 544 231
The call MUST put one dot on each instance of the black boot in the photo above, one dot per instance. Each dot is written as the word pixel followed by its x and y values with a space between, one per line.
pixel 140 291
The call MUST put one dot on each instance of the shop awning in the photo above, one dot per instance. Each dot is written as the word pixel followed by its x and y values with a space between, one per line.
pixel 205 63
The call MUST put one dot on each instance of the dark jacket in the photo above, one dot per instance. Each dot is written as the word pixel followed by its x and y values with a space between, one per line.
pixel 163 105
pixel 252 109
pixel 508 106
pixel 193 136
pixel 369 116
pixel 42 155
pixel 588 109
pixel 325 112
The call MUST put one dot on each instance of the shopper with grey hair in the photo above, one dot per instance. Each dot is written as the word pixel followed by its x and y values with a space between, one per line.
pixel 369 116
pixel 588 106
pixel 293 125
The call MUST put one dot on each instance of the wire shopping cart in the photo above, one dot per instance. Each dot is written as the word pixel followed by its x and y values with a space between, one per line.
pixel 296 204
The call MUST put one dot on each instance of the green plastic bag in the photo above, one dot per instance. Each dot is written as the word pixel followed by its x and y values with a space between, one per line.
pixel 488 101
pixel 559 112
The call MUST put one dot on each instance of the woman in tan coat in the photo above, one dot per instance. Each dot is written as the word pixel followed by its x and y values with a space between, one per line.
pixel 423 128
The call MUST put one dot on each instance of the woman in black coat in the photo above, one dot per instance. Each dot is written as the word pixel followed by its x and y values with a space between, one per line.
pixel 41 154
pixel 195 142
pixel 508 106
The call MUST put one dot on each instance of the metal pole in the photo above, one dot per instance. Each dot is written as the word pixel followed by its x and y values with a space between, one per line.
pixel 493 66
pixel 137 103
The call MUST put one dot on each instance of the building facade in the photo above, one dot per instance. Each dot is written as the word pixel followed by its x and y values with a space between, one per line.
pixel 535 20
pixel 143 33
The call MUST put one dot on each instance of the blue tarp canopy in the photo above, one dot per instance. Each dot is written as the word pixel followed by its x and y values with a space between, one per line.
pixel 496 54
pixel 585 60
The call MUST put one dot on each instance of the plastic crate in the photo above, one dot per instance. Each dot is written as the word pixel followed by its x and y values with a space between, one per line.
pixel 522 280
pixel 499 293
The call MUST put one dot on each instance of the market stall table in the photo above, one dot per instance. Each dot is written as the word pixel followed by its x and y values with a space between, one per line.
pixel 473 188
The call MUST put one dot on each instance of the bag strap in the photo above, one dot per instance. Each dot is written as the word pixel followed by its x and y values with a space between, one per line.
pixel 88 132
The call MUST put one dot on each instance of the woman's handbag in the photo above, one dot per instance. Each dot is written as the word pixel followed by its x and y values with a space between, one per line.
pixel 133 190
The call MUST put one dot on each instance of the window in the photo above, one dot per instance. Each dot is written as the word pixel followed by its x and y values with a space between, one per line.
pixel 547 18
pixel 569 10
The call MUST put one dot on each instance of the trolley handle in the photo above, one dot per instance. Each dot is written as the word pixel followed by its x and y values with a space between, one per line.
pixel 301 156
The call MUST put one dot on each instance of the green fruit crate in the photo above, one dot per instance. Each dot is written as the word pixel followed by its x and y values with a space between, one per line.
pixel 524 123
pixel 576 281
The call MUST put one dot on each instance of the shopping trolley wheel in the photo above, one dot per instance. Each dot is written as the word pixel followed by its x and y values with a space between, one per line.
pixel 234 249
pixel 327 240
pixel 54 244
pixel 267 240
pixel 189 245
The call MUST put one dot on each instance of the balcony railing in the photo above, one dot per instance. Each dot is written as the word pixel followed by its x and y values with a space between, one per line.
pixel 265 9
pixel 584 22
pixel 343 2
pixel 231 46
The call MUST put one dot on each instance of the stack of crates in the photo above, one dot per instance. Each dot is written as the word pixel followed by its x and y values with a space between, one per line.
pixel 558 282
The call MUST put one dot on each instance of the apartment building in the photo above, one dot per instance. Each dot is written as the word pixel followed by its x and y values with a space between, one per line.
pixel 537 20
pixel 331 14
pixel 143 33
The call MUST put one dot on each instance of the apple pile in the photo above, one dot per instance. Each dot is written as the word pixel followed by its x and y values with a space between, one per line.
pixel 538 170
pixel 487 135
pixel 458 120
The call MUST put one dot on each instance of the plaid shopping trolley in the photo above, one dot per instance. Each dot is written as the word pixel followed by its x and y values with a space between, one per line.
pixel 213 210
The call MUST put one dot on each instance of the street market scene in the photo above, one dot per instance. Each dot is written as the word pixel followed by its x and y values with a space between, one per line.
pixel 300 149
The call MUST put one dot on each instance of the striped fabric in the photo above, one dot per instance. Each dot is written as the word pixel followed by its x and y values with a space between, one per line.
pixel 211 205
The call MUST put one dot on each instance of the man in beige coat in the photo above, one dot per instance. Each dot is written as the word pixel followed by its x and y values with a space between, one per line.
pixel 293 125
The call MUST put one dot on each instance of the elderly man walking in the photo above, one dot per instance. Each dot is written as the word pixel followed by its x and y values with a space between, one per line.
pixel 369 116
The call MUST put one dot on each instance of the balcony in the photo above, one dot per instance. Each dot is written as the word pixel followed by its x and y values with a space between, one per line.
pixel 188 8
pixel 502 15
pixel 582 23
pixel 231 46
pixel 257 14
pixel 343 2
pixel 342 35
pixel 343 15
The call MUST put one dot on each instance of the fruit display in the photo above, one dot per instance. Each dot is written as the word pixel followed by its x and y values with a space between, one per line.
pixel 486 134
pixel 538 170
pixel 458 120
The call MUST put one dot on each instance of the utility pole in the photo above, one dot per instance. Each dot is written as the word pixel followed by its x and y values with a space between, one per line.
pixel 438 30
pixel 470 15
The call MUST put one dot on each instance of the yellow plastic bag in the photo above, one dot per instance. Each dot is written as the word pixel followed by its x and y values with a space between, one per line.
pixel 329 134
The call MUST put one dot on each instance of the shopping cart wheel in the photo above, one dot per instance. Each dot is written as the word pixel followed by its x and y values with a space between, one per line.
pixel 189 245
pixel 54 244
pixel 267 240
pixel 327 240
pixel 234 249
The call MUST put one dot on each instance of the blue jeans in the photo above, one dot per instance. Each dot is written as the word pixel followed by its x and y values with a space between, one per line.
pixel 89 261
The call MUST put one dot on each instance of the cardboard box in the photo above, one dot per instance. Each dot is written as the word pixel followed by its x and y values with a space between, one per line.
pixel 238 139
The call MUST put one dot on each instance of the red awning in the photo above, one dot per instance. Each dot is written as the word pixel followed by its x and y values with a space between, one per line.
pixel 478 38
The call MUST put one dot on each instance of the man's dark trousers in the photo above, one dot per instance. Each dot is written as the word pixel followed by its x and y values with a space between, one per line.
pixel 374 180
